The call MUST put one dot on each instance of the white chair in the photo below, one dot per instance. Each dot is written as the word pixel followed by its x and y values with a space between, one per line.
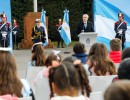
pixel 100 83
pixel 32 73
pixel 25 98
pixel 96 96
pixel 42 89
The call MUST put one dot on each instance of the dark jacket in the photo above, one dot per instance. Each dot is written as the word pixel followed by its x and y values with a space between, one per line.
pixel 81 27
pixel 82 57
pixel 38 34
pixel 123 26
pixel 5 41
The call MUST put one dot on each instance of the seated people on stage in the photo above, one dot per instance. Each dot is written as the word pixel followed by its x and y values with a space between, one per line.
pixel 80 52
pixel 16 33
pixel 38 32
pixel 85 25
pixel 119 90
pixel 67 81
pixel 98 57
pixel 120 28
pixel 4 31
pixel 115 50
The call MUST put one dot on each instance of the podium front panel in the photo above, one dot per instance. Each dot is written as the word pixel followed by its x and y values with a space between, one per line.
pixel 88 39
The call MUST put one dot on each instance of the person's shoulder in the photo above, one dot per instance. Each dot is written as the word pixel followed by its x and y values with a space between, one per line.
pixel 81 22
pixel 17 26
pixel 89 22
pixel 125 23
pixel 8 24
pixel 116 22
pixel 42 27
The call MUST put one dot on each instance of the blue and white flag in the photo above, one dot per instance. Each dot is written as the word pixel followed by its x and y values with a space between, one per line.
pixel 106 14
pixel 43 23
pixel 65 31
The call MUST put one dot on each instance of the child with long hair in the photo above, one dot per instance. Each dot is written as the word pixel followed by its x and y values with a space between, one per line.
pixel 67 80
pixel 38 55
pixel 9 81
pixel 52 60
pixel 97 68
pixel 98 52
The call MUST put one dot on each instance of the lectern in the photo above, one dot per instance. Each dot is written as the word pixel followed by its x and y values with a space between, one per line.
pixel 88 39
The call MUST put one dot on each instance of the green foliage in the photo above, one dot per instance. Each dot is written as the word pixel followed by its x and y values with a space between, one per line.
pixel 54 10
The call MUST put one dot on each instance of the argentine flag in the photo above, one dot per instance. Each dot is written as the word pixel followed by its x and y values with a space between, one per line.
pixel 65 31
pixel 43 23
pixel 106 14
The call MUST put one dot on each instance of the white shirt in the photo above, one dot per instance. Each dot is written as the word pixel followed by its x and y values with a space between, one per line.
pixel 70 98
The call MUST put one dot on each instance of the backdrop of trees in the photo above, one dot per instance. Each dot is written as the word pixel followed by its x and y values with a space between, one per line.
pixel 54 10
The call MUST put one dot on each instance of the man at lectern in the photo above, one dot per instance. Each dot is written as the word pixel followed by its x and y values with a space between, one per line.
pixel 4 31
pixel 120 28
pixel 85 25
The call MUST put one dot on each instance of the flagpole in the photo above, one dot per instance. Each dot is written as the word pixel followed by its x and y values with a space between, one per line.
pixel 35 5
pixel 65 30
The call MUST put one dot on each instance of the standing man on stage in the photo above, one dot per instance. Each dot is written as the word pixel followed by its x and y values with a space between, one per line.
pixel 15 32
pixel 58 31
pixel 85 25
pixel 38 32
pixel 120 28
pixel 4 31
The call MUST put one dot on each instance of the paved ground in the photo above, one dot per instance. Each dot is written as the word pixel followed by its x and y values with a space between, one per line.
pixel 23 56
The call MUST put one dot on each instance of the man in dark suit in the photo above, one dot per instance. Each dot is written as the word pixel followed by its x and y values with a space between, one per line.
pixel 85 25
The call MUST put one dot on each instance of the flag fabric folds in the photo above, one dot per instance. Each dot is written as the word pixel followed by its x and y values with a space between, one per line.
pixel 65 31
pixel 105 15
pixel 43 23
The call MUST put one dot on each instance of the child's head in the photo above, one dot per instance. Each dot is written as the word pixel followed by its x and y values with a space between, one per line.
pixel 99 50
pixel 79 48
pixel 68 79
pixel 52 57
pixel 115 44
pixel 124 69
pixel 119 90
pixel 99 67
pixel 126 53
pixel 73 60
pixel 38 54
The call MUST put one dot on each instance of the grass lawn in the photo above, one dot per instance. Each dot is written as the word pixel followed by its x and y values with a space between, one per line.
pixel 70 45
